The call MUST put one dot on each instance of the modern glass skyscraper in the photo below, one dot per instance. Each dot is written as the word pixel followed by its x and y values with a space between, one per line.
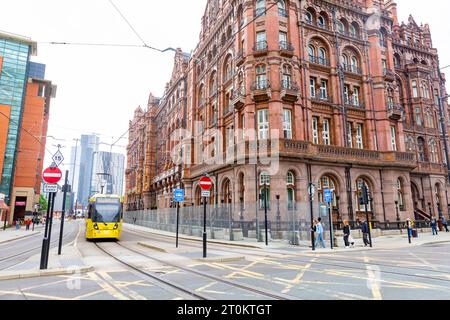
pixel 108 173
pixel 15 55
pixel 88 148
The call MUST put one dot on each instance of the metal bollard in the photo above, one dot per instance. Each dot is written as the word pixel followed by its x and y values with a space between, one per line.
pixel 44 254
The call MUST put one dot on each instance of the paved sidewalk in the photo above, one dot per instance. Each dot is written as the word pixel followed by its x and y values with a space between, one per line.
pixel 11 234
pixel 69 262
pixel 283 246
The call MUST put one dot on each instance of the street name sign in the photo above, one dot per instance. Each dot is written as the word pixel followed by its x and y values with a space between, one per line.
pixel 50 188
pixel 206 193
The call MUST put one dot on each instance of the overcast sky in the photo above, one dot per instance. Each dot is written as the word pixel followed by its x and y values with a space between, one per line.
pixel 100 87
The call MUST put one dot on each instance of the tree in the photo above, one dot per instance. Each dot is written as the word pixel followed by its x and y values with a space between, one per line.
pixel 42 203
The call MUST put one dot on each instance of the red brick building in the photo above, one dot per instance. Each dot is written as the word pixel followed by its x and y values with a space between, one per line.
pixel 339 93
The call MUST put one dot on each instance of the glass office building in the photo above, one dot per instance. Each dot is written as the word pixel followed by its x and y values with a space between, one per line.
pixel 15 56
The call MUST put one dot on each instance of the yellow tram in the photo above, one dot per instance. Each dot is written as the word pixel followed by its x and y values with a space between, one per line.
pixel 105 217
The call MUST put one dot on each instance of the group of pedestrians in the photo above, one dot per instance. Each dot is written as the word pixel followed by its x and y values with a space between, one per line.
pixel 435 225
pixel 25 222
pixel 348 239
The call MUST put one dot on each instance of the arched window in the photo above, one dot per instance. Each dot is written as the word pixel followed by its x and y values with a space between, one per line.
pixel 359 186
pixel 327 182
pixel 400 195
pixel 430 119
pixel 322 21
pixel 311 53
pixel 290 184
pixel 282 8
pixel 397 61
pixel 434 154
pixel 228 71
pixel 340 27
pixel 322 56
pixel 345 60
pixel 421 149
pixel 410 144
pixel 261 77
pixel 424 90
pixel 287 77
pixel 383 42
pixel 355 64
pixel 264 184
pixel 309 17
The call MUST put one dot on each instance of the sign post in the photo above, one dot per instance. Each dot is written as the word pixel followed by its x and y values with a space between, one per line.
pixel 328 197
pixel 63 213
pixel 365 200
pixel 51 176
pixel 178 196
pixel 206 185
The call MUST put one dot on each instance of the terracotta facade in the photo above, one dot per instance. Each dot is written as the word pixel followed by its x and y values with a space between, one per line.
pixel 339 92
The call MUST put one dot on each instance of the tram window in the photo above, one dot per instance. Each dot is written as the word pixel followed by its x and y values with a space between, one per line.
pixel 90 211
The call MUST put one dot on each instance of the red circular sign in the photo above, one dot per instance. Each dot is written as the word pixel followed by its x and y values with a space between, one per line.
pixel 52 175
pixel 206 183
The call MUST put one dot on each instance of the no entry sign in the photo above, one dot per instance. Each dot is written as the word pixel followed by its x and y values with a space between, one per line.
pixel 52 175
pixel 205 183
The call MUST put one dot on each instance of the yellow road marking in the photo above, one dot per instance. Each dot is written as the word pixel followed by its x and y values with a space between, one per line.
pixel 124 289
pixel 109 289
pixel 374 280
pixel 41 296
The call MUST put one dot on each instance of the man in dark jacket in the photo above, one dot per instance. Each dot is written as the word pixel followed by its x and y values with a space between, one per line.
pixel 365 231
pixel 444 223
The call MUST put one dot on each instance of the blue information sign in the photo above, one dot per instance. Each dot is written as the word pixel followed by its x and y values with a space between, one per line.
pixel 328 195
pixel 178 195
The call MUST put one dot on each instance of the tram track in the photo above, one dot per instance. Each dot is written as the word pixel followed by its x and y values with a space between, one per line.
pixel 260 292
pixel 302 260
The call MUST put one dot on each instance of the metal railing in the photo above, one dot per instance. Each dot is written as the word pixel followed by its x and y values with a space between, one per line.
pixel 289 85
pixel 319 60
pixel 286 46
pixel 260 85
pixel 260 46
pixel 352 69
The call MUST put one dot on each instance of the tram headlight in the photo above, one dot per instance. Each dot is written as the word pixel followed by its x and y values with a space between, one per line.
pixel 116 226
pixel 95 226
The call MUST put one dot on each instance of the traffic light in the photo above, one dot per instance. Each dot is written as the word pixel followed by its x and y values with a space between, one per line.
pixel 364 196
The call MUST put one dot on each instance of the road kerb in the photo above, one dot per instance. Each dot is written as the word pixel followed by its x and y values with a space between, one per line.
pixel 149 246
pixel 220 259
pixel 43 273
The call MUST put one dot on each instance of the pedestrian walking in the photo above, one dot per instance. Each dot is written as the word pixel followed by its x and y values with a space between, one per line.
pixel 444 223
pixel 434 227
pixel 17 224
pixel 365 231
pixel 27 225
pixel 347 234
pixel 319 230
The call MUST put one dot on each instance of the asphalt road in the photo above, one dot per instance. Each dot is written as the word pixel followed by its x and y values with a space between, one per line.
pixel 416 273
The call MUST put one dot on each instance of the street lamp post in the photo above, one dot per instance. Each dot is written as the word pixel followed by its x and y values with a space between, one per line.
pixel 265 213
pixel 398 215
pixel 311 191
pixel 278 213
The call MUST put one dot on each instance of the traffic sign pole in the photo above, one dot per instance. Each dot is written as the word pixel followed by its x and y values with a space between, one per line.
pixel 205 184
pixel 178 222
pixel 63 213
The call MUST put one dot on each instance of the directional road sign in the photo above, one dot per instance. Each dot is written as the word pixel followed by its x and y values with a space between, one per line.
pixel 178 195
pixel 50 188
pixel 328 195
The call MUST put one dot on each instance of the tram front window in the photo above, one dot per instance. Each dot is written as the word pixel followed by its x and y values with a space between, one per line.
pixel 106 212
